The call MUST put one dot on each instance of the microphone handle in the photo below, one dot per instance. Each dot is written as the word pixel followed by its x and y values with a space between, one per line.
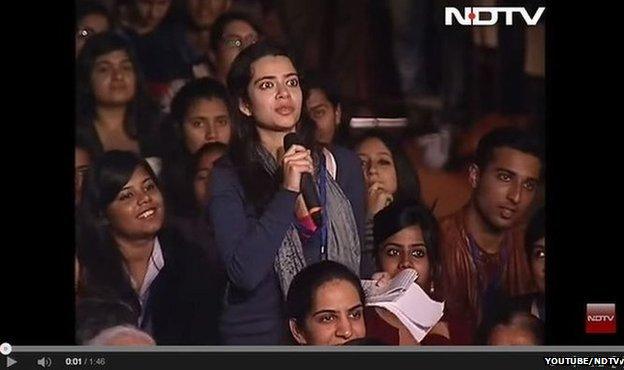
pixel 311 199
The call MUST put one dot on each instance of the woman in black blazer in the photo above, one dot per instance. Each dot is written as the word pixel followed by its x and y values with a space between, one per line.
pixel 128 255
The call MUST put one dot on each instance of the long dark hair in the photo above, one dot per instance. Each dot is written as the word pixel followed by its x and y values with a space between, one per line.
pixel 408 184
pixel 178 169
pixel 96 249
pixel 259 185
pixel 142 110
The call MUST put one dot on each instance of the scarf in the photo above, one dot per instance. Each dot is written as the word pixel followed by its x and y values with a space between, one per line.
pixel 342 242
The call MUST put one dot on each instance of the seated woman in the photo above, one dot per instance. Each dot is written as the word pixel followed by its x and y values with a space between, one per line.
pixel 230 34
pixel 406 236
pixel 200 114
pixel 113 109
pixel 324 305
pixel 193 224
pixel 126 254
pixel 535 248
pixel 82 161
pixel 389 176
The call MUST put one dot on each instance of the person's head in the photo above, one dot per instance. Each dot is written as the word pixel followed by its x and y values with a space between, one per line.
pixel 505 176
pixel 325 303
pixel 201 114
pixel 384 162
pixel 122 335
pixel 82 161
pixel 535 244
pixel 107 68
pixel 264 85
pixel 202 13
pixel 93 315
pixel 323 106
pixel 203 162
pixel 108 75
pixel 122 195
pixel 406 236
pixel 148 14
pixel 231 33
pixel 92 18
pixel 516 328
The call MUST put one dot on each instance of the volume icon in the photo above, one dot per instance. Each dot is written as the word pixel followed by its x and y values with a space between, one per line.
pixel 44 362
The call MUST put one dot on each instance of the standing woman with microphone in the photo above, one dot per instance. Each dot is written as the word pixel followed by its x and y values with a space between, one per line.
pixel 263 228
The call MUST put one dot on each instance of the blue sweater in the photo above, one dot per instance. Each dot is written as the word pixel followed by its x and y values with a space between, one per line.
pixel 248 244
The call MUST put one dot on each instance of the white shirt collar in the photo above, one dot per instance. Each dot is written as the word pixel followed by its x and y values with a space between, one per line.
pixel 155 264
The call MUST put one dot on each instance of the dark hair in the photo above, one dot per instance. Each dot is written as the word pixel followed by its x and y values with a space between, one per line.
pixel 96 250
pixel 408 184
pixel 305 284
pixel 510 317
pixel 325 83
pixel 135 15
pixel 509 137
pixel 405 213
pixel 535 231
pixel 219 25
pixel 202 88
pixel 209 148
pixel 93 315
pixel 141 112
pixel 88 7
pixel 178 170
pixel 259 185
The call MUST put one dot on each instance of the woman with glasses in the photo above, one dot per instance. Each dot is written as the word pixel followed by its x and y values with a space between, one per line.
pixel 91 18
pixel 231 33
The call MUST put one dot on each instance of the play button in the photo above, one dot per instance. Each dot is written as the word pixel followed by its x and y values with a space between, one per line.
pixel 10 362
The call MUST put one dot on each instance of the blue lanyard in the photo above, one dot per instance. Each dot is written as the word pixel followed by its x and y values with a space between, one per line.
pixel 322 182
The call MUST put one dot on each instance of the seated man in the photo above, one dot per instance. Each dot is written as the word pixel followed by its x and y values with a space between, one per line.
pixel 482 244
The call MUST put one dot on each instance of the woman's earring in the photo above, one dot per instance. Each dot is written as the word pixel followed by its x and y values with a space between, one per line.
pixel 432 289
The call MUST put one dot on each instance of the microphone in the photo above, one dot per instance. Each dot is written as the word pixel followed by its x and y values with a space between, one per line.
pixel 308 190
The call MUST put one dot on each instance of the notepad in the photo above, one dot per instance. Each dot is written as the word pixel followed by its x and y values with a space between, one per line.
pixel 407 301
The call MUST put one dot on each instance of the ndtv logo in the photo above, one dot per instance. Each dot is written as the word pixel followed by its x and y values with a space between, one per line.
pixel 600 318
pixel 474 16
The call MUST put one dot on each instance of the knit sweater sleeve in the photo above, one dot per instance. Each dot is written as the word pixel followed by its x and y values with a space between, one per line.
pixel 247 243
